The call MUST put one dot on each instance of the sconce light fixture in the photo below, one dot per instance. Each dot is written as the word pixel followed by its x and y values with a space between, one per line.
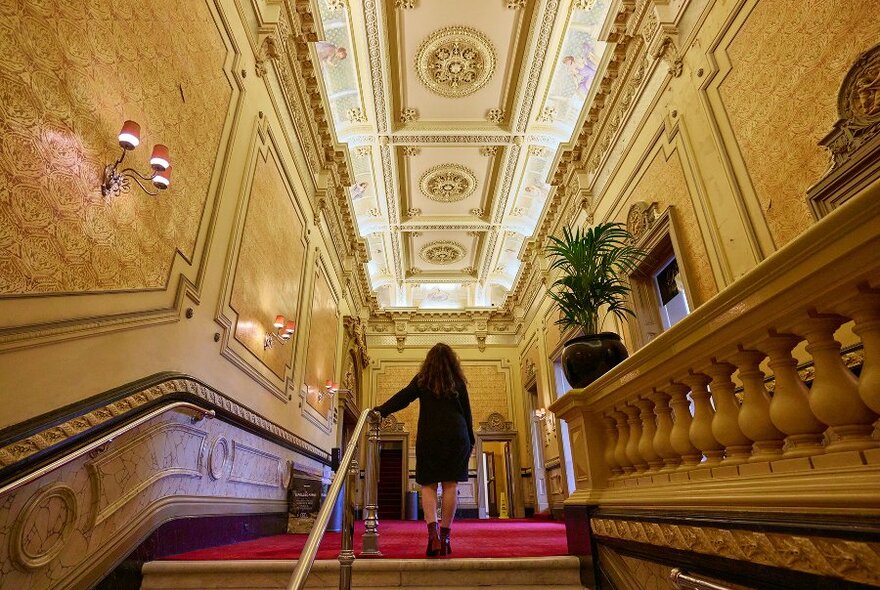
pixel 283 331
pixel 330 389
pixel 117 181
pixel 541 413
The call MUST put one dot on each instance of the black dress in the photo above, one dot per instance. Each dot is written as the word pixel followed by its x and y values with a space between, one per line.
pixel 446 433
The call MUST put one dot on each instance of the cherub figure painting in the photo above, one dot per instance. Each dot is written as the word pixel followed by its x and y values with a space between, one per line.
pixel 582 67
pixel 358 190
pixel 329 53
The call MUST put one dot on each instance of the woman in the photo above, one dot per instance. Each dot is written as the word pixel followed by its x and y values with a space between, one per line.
pixel 445 437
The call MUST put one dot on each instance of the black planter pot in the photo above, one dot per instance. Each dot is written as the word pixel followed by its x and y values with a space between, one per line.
pixel 586 358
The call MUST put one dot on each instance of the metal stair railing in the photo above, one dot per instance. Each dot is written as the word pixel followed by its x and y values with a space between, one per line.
pixel 348 470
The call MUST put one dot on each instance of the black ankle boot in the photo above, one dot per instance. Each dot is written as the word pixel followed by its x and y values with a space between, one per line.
pixel 434 545
pixel 445 546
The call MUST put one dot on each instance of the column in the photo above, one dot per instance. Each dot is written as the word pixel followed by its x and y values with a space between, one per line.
pixel 622 436
pixel 635 437
pixel 649 430
pixel 662 438
pixel 610 444
pixel 680 436
pixel 701 426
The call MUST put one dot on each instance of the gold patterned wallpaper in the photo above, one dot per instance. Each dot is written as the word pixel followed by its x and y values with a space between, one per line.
pixel 269 270
pixel 790 57
pixel 70 74
pixel 321 351
pixel 488 391
pixel 664 182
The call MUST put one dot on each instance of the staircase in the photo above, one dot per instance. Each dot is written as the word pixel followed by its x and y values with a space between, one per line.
pixel 524 573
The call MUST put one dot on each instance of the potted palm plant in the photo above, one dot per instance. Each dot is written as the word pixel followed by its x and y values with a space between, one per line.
pixel 594 265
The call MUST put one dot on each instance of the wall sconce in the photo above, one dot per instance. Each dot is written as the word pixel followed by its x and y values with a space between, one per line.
pixel 330 389
pixel 283 331
pixel 541 413
pixel 117 181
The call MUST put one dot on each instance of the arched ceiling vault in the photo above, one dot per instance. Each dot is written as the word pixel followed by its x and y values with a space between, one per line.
pixel 452 112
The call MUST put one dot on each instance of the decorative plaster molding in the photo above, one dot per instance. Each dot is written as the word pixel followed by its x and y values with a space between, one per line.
pixel 448 183
pixel 455 61
pixel 20 450
pixel 442 252
pixel 851 560
pixel 495 422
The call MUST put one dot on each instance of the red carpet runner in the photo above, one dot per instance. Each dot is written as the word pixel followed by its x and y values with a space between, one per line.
pixel 407 540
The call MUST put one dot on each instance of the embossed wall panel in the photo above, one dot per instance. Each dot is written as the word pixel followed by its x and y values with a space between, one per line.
pixel 69 77
pixel 321 353
pixel 664 182
pixel 269 271
pixel 788 61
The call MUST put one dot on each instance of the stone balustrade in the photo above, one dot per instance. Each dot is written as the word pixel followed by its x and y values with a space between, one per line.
pixel 689 419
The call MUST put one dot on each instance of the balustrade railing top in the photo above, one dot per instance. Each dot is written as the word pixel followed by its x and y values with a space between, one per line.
pixel 670 412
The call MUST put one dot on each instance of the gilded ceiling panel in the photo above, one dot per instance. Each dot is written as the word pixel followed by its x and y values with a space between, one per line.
pixel 69 76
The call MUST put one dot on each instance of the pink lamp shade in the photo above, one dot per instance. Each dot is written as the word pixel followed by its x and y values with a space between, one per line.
pixel 130 135
pixel 279 321
pixel 290 327
pixel 162 178
pixel 160 160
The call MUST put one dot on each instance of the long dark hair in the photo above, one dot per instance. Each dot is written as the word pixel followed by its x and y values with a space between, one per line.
pixel 440 372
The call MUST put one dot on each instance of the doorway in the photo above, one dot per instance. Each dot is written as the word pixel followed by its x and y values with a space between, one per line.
pixel 391 478
pixel 497 489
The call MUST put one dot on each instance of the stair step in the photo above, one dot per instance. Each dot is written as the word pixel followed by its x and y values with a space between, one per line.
pixel 524 573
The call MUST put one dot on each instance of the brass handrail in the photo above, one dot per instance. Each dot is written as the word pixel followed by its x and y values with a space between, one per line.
pixel 684 581
pixel 100 442
pixel 348 469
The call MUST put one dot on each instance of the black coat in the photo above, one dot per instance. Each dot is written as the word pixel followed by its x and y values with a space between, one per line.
pixel 446 433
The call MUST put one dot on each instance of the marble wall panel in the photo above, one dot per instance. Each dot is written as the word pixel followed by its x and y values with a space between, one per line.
pixel 269 271
pixel 54 530
pixel 791 57
pixel 70 74
pixel 321 352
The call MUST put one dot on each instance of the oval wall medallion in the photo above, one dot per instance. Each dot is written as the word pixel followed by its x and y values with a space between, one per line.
pixel 442 252
pixel 43 526
pixel 218 457
pixel 448 183
pixel 455 61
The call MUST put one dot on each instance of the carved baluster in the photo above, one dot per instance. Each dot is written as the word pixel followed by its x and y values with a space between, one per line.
pixel 834 395
pixel 622 438
pixel 725 424
pixel 662 438
pixel 680 437
pixel 635 437
pixel 701 426
pixel 790 407
pixel 754 414
pixel 649 430
pixel 865 310
pixel 610 445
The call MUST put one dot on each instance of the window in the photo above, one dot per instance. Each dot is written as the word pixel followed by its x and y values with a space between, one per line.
pixel 671 298
pixel 659 284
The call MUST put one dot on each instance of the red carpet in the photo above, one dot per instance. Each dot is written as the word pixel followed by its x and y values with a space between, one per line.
pixel 407 540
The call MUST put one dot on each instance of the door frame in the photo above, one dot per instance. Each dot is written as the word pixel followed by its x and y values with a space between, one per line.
pixel 516 508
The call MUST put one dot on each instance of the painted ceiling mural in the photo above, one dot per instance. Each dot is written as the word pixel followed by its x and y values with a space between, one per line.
pixel 453 112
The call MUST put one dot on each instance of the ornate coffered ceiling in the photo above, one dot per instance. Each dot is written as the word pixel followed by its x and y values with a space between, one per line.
pixel 453 111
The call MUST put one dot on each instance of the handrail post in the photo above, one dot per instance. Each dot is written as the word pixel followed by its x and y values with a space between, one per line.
pixel 346 553
pixel 370 546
